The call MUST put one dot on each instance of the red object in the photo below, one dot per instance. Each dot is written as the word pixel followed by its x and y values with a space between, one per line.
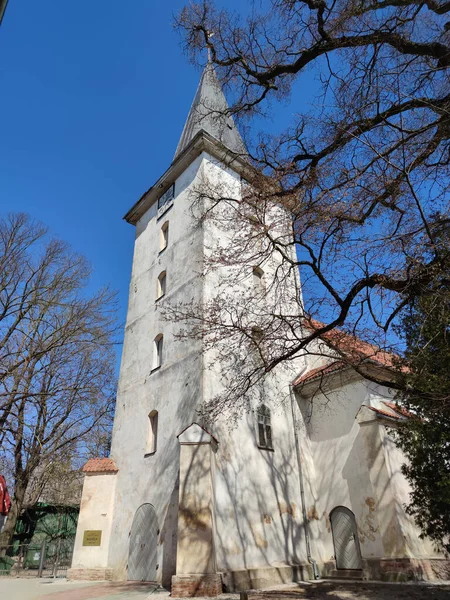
pixel 100 465
pixel 5 498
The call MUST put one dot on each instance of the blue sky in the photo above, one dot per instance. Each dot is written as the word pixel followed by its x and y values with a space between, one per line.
pixel 93 100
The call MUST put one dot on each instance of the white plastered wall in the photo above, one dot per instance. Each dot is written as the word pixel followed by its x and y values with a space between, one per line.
pixel 357 465
pixel 174 390
pixel 96 513
pixel 258 512
pixel 414 545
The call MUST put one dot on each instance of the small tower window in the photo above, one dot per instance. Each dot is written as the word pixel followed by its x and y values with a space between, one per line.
pixel 258 279
pixel 165 201
pixel 257 338
pixel 152 432
pixel 157 351
pixel 164 236
pixel 257 335
pixel 264 427
pixel 161 285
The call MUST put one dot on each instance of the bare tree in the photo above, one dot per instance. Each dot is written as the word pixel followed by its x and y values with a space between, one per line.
pixel 363 175
pixel 57 359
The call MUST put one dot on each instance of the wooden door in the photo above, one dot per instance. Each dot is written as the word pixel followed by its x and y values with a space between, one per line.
pixel 345 539
pixel 142 555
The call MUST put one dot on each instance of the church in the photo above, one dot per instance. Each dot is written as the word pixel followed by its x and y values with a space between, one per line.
pixel 306 488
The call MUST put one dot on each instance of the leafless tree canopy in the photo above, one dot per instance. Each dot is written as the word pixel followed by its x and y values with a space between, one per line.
pixel 56 359
pixel 363 173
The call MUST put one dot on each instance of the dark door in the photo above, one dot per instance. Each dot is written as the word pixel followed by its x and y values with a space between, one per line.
pixel 345 539
pixel 142 553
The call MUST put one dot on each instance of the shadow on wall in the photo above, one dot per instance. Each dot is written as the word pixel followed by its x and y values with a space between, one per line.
pixel 195 524
pixel 162 488
pixel 260 524
pixel 168 537
pixel 351 471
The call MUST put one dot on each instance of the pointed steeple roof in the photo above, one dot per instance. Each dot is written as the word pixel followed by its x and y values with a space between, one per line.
pixel 207 113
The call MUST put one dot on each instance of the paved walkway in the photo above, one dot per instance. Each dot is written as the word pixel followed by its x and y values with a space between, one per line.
pixel 61 589
pixel 49 589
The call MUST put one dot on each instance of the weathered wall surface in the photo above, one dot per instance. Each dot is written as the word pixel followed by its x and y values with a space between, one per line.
pixel 174 390
pixel 195 525
pixel 249 518
pixel 415 547
pixel 356 465
pixel 343 454
pixel 256 512
pixel 96 513
pixel 257 499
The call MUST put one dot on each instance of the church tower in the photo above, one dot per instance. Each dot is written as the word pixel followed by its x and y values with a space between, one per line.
pixel 177 503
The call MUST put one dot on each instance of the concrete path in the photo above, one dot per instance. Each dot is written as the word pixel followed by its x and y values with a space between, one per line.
pixel 61 589
pixel 49 589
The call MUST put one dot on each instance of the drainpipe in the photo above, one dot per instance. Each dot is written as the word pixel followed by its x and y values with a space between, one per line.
pixel 311 560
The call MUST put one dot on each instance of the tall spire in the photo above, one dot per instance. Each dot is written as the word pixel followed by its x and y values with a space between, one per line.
pixel 208 113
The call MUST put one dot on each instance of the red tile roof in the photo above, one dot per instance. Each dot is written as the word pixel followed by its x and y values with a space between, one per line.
pixel 320 372
pixel 398 409
pixel 352 346
pixel 383 413
pixel 100 465
pixel 353 349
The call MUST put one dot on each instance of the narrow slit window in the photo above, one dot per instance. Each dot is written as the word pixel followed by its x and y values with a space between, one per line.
pixel 258 279
pixel 257 335
pixel 257 339
pixel 152 435
pixel 157 351
pixel 264 427
pixel 161 285
pixel 164 236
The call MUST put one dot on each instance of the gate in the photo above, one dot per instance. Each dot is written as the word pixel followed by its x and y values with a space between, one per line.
pixel 49 558
pixel 345 539
pixel 142 554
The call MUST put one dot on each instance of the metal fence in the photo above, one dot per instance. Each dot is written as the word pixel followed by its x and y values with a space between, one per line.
pixel 50 558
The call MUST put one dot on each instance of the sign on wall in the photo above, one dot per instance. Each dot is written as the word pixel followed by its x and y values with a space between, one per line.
pixel 92 537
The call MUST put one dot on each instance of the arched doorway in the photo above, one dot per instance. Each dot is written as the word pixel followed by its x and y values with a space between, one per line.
pixel 142 554
pixel 345 539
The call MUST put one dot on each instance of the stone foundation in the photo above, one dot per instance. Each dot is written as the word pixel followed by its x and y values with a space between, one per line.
pixel 248 579
pixel 100 574
pixel 190 586
pixel 398 569
pixel 414 569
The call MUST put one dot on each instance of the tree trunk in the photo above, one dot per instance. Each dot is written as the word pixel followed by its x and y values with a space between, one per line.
pixel 8 530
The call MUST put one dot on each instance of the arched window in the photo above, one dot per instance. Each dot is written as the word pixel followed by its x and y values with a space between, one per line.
pixel 161 285
pixel 164 236
pixel 264 427
pixel 258 279
pixel 157 351
pixel 152 432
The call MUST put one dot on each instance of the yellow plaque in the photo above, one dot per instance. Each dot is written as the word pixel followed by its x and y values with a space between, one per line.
pixel 92 537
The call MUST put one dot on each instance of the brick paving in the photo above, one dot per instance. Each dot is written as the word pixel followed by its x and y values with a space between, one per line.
pixel 42 589
pixel 107 591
